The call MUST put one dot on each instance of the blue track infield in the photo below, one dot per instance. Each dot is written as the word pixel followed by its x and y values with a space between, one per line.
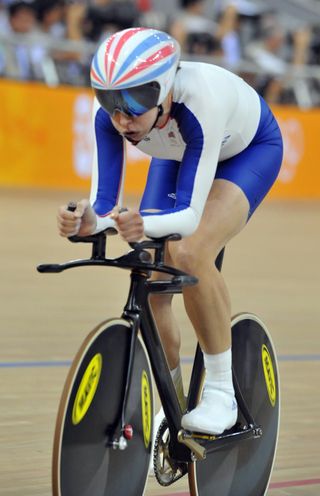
pixel 187 360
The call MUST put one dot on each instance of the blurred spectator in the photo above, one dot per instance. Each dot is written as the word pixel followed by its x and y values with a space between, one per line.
pixel 150 16
pixel 75 12
pixel 33 35
pixel 95 20
pixel 50 15
pixel 268 53
pixel 305 91
pixel 301 53
pixel 19 59
pixel 3 15
pixel 274 52
pixel 194 31
pixel 22 18
pixel 144 5
pixel 3 29
pixel 100 18
pixel 228 35
pixel 62 66
pixel 315 45
pixel 238 22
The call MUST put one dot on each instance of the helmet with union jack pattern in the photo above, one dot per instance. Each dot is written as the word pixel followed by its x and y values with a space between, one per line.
pixel 133 70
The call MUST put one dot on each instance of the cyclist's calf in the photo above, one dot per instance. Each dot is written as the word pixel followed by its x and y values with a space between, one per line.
pixel 167 326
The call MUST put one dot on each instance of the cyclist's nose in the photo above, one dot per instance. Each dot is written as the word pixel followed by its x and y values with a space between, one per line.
pixel 123 119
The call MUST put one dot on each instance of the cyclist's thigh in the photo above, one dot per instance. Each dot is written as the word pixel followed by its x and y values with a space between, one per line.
pixel 160 189
pixel 256 168
pixel 159 194
pixel 225 214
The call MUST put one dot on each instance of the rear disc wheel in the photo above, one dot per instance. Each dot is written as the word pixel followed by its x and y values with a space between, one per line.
pixel 244 468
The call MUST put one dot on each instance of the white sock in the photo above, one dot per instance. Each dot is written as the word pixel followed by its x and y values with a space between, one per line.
pixel 217 410
pixel 219 371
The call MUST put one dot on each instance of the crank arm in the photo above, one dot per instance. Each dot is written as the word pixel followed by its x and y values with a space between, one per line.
pixel 186 439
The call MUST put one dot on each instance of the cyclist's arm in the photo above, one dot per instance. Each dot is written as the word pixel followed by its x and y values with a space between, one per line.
pixel 108 169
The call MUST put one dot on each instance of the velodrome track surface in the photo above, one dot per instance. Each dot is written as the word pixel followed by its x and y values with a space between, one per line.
pixel 272 269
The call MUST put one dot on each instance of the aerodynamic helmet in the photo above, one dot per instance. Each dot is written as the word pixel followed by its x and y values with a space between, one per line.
pixel 133 70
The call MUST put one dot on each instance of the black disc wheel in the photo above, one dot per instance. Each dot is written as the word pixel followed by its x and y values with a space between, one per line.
pixel 244 468
pixel 87 456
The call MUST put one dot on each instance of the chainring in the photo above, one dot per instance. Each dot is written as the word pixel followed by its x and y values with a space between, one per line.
pixel 166 470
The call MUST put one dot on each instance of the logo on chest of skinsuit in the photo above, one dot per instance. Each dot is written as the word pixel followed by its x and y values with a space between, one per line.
pixel 225 139
pixel 173 135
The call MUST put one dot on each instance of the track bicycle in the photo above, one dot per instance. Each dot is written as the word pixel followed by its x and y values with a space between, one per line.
pixel 104 427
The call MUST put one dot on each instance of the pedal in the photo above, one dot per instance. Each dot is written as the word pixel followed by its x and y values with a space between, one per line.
pixel 203 437
pixel 188 440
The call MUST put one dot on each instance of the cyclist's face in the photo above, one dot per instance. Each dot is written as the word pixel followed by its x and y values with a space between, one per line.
pixel 134 128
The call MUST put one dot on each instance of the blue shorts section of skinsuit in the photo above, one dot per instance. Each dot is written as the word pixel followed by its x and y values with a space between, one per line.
pixel 254 170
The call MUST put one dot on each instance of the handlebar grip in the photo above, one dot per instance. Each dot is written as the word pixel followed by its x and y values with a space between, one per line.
pixel 72 206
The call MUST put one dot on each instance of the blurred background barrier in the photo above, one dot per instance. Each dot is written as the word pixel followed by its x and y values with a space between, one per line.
pixel 46 48
pixel 46 140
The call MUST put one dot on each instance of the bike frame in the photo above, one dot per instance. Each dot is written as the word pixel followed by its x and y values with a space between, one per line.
pixel 137 311
pixel 184 447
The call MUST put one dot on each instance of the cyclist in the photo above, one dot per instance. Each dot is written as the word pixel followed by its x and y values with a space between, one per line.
pixel 216 150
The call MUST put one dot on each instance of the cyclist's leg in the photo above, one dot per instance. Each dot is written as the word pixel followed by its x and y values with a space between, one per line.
pixel 240 185
pixel 208 303
pixel 225 214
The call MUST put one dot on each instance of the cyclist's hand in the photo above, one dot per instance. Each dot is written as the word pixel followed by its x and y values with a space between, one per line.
pixel 129 224
pixel 81 222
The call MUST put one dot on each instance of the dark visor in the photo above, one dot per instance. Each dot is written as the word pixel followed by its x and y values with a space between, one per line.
pixel 131 101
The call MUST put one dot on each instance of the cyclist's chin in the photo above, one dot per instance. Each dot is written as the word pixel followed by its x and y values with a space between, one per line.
pixel 135 137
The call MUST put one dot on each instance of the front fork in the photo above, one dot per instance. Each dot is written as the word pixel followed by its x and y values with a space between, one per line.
pixel 137 311
pixel 124 431
pixel 132 313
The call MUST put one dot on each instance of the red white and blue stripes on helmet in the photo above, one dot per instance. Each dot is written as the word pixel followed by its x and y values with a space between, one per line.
pixel 134 57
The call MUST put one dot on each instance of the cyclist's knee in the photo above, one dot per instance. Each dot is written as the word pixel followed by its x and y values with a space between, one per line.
pixel 192 255
pixel 185 257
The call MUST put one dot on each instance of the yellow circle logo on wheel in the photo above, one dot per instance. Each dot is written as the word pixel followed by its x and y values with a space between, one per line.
pixel 146 408
pixel 269 375
pixel 87 389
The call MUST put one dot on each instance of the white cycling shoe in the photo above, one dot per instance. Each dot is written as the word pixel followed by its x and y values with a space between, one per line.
pixel 216 412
